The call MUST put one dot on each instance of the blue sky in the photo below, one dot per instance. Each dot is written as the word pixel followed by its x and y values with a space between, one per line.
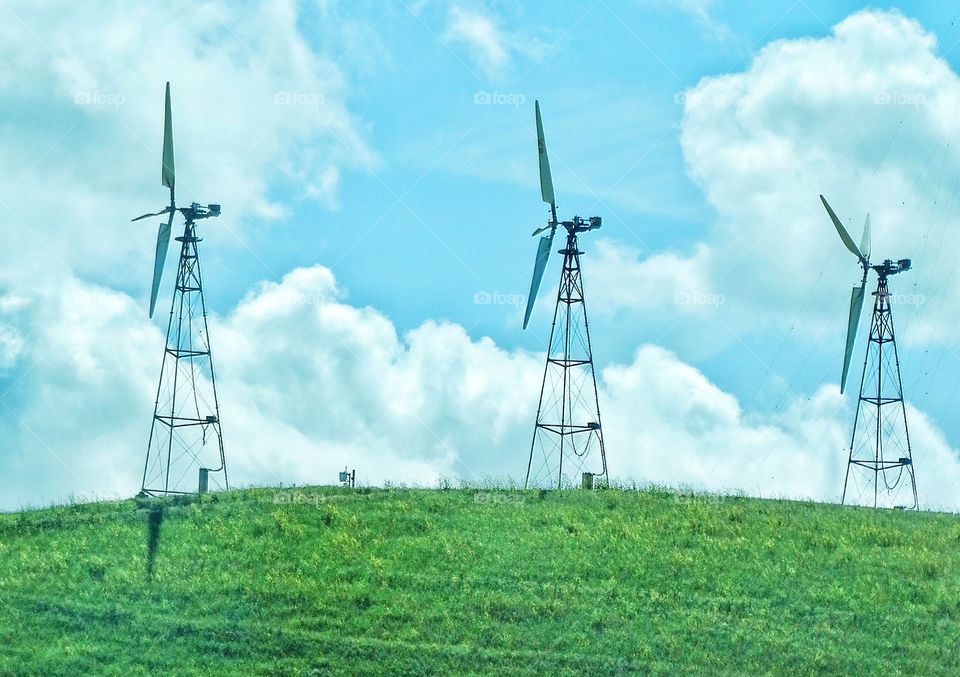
pixel 380 158
pixel 611 79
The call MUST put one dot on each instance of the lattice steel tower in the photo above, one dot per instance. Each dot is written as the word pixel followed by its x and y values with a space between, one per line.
pixel 880 455
pixel 567 447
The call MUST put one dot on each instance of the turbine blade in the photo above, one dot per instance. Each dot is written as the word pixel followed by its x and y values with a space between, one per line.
pixel 546 180
pixel 844 235
pixel 543 253
pixel 168 172
pixel 866 244
pixel 541 230
pixel 163 241
pixel 147 216
pixel 856 307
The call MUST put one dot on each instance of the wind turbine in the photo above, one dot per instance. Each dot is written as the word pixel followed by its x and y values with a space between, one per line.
pixel 878 451
pixel 186 411
pixel 567 446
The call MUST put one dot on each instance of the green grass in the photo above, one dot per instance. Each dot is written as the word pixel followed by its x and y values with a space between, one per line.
pixel 403 581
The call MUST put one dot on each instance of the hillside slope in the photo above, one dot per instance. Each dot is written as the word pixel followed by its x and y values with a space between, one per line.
pixel 314 581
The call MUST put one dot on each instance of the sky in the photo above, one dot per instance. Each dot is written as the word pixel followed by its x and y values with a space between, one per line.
pixel 377 167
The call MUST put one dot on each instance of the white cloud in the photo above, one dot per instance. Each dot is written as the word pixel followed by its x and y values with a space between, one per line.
pixel 309 384
pixel 683 430
pixel 486 42
pixel 621 278
pixel 813 116
pixel 69 411
pixel 865 116
pixel 701 11
pixel 434 398
pixel 253 106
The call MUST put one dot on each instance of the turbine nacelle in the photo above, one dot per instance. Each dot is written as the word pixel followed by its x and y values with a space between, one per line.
pixel 888 267
pixel 579 225
pixel 197 211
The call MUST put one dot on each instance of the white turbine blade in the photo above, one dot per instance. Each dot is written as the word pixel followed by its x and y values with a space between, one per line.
pixel 856 307
pixel 163 241
pixel 541 230
pixel 866 244
pixel 546 180
pixel 543 253
pixel 168 173
pixel 844 235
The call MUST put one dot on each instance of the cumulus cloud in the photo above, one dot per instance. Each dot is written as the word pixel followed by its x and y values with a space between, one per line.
pixel 310 384
pixel 622 277
pixel 405 408
pixel 481 34
pixel 69 411
pixel 684 430
pixel 866 116
pixel 701 11
pixel 253 105
pixel 487 42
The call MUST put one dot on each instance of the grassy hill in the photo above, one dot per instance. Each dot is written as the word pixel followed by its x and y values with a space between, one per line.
pixel 319 581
